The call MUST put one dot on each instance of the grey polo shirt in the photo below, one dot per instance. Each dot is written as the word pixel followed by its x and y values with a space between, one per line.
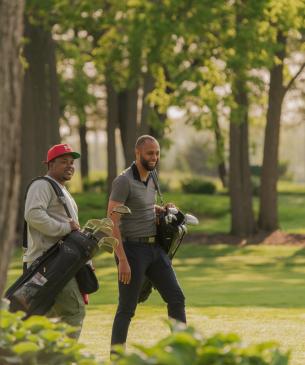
pixel 140 197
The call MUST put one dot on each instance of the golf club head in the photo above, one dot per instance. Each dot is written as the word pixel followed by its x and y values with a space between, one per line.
pixel 191 219
pixel 99 227
pixel 108 244
pixel 172 210
pixel 121 209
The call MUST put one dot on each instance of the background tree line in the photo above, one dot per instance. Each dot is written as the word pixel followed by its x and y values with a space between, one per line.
pixel 125 62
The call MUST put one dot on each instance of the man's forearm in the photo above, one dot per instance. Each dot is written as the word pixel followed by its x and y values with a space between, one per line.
pixel 119 251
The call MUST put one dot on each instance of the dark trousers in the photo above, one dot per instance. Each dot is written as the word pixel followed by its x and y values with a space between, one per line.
pixel 151 261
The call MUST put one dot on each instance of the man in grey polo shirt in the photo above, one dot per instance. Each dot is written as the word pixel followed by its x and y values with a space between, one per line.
pixel 138 253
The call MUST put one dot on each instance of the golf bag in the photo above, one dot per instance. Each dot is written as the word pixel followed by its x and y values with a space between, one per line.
pixel 36 290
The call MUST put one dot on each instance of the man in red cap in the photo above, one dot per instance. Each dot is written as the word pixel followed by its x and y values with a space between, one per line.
pixel 47 223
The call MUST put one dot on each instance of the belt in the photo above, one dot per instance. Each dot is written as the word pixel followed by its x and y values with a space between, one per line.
pixel 149 240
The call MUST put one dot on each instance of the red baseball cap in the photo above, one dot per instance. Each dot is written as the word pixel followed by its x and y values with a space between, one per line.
pixel 60 150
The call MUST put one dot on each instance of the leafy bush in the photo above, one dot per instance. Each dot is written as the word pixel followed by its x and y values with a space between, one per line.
pixel 256 170
pixel 198 186
pixel 94 185
pixel 164 186
pixel 38 341
pixel 187 347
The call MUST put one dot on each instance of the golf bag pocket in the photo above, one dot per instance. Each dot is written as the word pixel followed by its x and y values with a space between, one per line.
pixel 22 298
pixel 87 280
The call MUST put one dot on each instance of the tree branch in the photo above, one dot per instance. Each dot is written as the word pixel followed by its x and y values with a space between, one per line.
pixel 290 83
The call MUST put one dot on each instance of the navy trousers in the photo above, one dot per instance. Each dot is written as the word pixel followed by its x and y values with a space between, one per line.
pixel 146 260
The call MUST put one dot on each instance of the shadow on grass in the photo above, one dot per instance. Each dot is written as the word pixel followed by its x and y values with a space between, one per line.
pixel 219 275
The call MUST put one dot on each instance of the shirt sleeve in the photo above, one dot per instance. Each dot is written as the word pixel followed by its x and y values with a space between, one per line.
pixel 36 211
pixel 120 189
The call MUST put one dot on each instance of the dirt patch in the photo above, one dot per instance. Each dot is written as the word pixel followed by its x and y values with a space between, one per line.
pixel 274 238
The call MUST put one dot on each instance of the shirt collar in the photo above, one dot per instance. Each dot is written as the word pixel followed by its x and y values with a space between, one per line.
pixel 136 174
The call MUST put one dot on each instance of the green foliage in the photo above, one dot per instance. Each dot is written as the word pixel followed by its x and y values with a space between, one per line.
pixel 256 170
pixel 186 346
pixel 38 341
pixel 98 185
pixel 198 186
pixel 197 157
pixel 164 186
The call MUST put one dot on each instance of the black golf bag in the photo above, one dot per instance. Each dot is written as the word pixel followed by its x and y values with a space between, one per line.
pixel 35 291
pixel 171 229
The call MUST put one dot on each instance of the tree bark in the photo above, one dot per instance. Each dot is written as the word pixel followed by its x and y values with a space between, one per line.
pixel 11 29
pixel 268 213
pixel 242 217
pixel 84 168
pixel 148 86
pixel 40 106
pixel 127 119
pixel 221 166
pixel 112 123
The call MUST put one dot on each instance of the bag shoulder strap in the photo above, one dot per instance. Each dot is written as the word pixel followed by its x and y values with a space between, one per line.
pixel 154 176
pixel 59 193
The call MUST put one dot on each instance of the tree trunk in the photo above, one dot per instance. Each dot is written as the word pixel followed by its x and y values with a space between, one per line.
pixel 221 167
pixel 112 122
pixel 84 169
pixel 268 214
pixel 242 218
pixel 149 84
pixel 11 30
pixel 127 119
pixel 40 106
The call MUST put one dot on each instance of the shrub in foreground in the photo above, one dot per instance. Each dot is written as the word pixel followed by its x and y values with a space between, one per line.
pixel 39 341
pixel 187 347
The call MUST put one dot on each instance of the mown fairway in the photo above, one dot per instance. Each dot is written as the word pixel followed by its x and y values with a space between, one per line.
pixel 255 291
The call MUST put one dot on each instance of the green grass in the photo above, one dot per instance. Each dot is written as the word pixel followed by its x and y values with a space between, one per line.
pixel 213 211
pixel 255 291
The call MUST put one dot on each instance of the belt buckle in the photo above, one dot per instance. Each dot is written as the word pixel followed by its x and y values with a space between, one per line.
pixel 151 239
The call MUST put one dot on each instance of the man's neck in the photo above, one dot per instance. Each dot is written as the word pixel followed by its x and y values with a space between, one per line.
pixel 142 171
pixel 57 180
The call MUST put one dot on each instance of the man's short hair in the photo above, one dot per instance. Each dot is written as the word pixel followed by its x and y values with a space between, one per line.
pixel 142 139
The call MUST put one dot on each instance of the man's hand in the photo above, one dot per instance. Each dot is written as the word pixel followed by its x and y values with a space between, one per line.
pixel 124 271
pixel 159 209
pixel 74 226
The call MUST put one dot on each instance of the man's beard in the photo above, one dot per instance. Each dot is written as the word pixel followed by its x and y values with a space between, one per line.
pixel 146 165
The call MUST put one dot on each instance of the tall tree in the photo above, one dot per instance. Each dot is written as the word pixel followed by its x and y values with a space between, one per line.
pixel 40 105
pixel 288 25
pixel 112 123
pixel 11 30
pixel 242 217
